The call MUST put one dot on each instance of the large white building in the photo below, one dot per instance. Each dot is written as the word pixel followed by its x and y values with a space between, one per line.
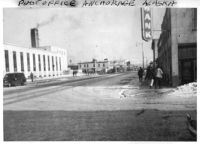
pixel 41 61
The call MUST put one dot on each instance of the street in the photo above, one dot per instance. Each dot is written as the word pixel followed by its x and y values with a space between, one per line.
pixel 111 107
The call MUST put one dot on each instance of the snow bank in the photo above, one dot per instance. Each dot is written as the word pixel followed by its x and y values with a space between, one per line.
pixel 186 90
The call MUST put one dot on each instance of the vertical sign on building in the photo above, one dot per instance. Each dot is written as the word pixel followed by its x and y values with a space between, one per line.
pixel 146 21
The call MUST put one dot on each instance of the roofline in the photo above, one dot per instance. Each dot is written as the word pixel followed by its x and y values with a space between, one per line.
pixel 30 46
pixel 93 62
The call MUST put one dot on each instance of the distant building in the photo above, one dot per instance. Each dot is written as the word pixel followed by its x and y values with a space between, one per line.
pixel 117 63
pixel 42 61
pixel 95 65
pixel 73 67
pixel 177 46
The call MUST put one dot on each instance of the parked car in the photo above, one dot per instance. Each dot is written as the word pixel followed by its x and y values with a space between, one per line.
pixel 111 71
pixel 100 72
pixel 13 79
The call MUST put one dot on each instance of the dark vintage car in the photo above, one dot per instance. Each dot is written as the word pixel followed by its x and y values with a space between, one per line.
pixel 111 71
pixel 13 79
pixel 100 72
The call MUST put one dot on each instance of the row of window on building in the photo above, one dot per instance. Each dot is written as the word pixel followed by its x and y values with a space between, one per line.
pixel 93 65
pixel 34 61
pixel 61 52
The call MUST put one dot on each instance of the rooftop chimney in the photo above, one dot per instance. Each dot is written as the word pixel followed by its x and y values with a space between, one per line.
pixel 34 37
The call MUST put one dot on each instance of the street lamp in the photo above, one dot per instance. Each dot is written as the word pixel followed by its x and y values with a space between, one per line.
pixel 142 52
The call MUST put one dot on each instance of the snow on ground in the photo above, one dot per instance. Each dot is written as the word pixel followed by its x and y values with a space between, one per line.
pixel 186 90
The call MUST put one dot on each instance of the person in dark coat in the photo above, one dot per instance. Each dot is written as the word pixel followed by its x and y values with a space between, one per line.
pixel 140 74
pixel 147 73
pixel 152 75
pixel 32 76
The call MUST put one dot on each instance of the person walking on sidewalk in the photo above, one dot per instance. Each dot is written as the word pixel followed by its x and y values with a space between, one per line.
pixel 159 75
pixel 32 76
pixel 151 74
pixel 140 74
pixel 147 73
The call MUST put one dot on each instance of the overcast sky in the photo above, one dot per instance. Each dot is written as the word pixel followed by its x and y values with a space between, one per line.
pixel 85 32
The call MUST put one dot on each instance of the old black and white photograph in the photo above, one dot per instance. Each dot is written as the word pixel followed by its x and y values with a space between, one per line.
pixel 99 70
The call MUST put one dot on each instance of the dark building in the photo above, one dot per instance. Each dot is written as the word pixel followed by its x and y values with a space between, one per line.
pixel 177 46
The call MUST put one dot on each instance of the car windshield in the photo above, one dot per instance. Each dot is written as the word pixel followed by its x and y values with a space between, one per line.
pixel 8 76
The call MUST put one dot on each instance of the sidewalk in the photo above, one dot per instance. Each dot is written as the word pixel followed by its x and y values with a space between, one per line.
pixel 47 79
pixel 142 88
pixel 145 84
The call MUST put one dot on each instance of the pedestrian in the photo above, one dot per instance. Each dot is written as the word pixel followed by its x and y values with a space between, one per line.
pixel 147 73
pixel 140 74
pixel 159 76
pixel 32 76
pixel 151 75
pixel 75 73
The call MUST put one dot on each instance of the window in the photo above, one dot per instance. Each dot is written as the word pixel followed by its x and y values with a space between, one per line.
pixel 7 60
pixel 34 66
pixel 39 62
pixel 84 65
pixel 44 62
pixel 93 65
pixel 87 65
pixel 22 61
pixel 194 20
pixel 28 62
pixel 98 65
pixel 52 64
pixel 80 65
pixel 15 61
pixel 56 63
pixel 103 65
pixel 60 62
pixel 48 63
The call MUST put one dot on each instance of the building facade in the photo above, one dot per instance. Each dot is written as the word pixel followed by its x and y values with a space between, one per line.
pixel 177 46
pixel 95 65
pixel 103 65
pixel 154 47
pixel 41 61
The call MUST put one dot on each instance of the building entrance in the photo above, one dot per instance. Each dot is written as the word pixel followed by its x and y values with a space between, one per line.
pixel 188 71
pixel 187 54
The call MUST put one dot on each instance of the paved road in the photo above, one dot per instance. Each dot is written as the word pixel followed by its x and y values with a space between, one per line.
pixel 91 80
pixel 92 108
pixel 55 87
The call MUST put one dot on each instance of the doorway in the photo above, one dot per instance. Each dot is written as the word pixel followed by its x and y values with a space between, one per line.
pixel 188 71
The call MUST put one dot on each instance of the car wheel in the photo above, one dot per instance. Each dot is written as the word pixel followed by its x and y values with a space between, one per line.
pixel 9 85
